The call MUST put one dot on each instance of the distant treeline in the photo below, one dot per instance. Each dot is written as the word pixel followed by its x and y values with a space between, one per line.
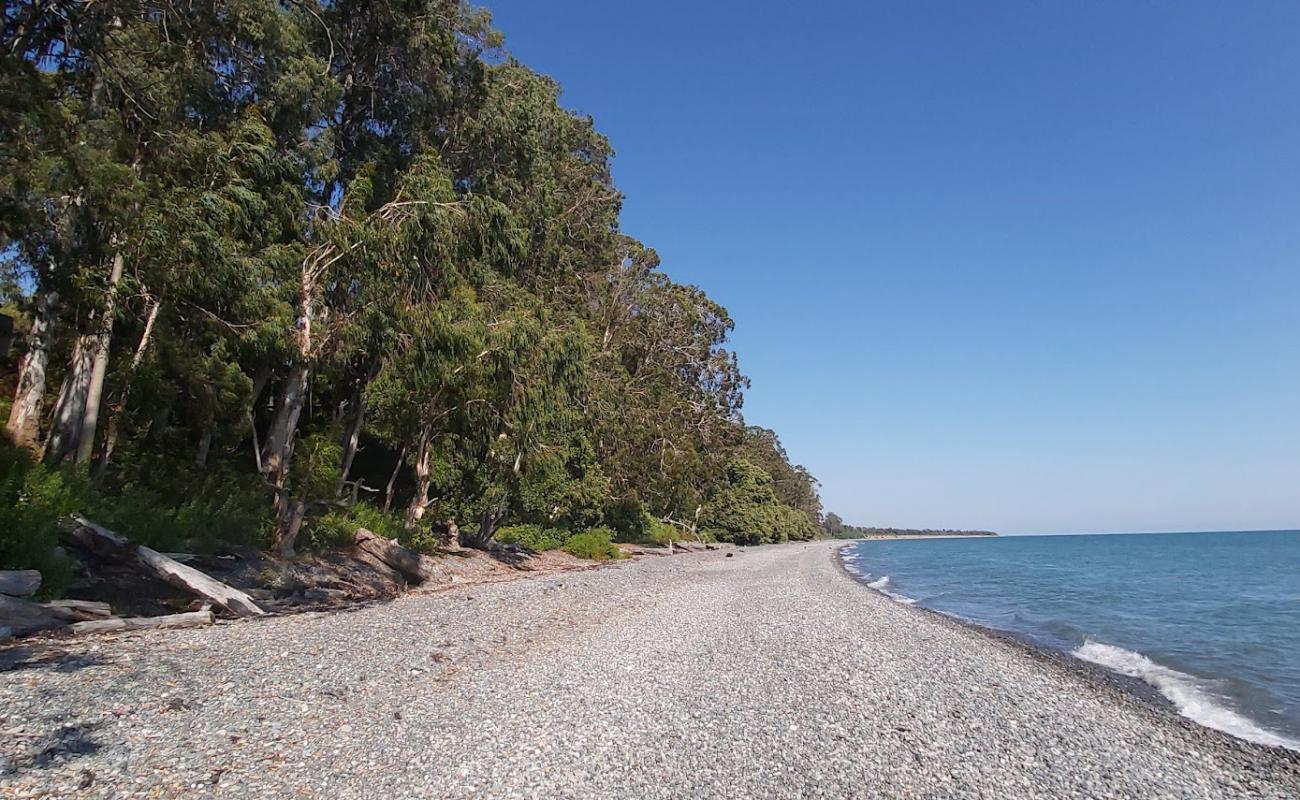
pixel 835 528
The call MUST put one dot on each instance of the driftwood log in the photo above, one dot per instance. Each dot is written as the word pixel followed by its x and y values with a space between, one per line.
pixel 409 563
pixel 22 617
pixel 79 610
pixel 190 619
pixel 19 582
pixel 105 543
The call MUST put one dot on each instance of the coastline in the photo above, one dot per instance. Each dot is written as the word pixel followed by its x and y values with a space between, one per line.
pixel 1142 696
pixel 758 672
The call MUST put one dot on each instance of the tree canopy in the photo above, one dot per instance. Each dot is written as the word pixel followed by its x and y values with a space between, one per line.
pixel 341 253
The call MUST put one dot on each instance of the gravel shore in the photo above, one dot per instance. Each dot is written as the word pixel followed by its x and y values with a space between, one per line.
pixel 766 674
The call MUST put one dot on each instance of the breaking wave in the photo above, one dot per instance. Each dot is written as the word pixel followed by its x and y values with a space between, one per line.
pixel 1188 694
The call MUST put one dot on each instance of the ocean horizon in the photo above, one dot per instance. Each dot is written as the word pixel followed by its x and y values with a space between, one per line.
pixel 1207 618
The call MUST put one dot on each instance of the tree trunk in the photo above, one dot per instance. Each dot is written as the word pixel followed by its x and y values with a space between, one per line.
pixel 409 563
pixel 24 422
pixel 279 437
pixel 65 427
pixel 487 526
pixel 289 524
pixel 449 536
pixel 352 437
pixel 102 343
pixel 205 444
pixel 392 480
pixel 420 499
pixel 259 384
pixel 191 619
pixel 119 407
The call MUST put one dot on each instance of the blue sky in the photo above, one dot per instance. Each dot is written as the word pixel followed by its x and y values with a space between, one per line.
pixel 1025 266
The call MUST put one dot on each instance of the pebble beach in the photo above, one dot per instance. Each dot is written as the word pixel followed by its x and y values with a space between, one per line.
pixel 768 672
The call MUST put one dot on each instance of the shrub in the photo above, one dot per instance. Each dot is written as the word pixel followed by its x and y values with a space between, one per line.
pixel 661 533
pixel 630 520
pixel 338 527
pixel 593 543
pixel 534 537
pixel 32 499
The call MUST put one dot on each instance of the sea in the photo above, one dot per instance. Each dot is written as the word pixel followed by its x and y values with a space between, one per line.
pixel 1211 620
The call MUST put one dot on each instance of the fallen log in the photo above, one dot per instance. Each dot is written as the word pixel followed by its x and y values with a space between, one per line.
pixel 102 541
pixel 409 563
pixel 19 582
pixel 190 619
pixel 79 610
pixel 22 617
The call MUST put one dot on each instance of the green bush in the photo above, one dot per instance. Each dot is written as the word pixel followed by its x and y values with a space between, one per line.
pixel 338 527
pixel 534 537
pixel 32 499
pixel 630 520
pixel 661 533
pixel 594 543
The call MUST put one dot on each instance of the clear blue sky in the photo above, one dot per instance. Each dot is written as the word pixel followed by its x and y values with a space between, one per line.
pixel 1024 266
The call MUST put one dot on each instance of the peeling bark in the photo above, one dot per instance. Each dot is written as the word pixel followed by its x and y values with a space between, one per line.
pixel 24 422
pixel 420 499
pixel 102 343
pixel 65 426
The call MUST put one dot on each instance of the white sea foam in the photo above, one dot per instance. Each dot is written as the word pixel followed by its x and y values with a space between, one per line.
pixel 1192 699
pixel 882 585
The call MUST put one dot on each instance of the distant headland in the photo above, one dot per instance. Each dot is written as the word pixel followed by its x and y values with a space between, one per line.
pixel 835 528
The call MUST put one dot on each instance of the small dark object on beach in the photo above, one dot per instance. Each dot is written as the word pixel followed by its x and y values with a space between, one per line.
pixel 730 555
pixel 87 778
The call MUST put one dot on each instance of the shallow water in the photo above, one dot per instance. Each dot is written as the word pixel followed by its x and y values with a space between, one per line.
pixel 1212 620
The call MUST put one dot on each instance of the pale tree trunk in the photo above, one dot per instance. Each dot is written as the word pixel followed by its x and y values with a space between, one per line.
pixel 24 423
pixel 392 480
pixel 352 438
pixel 119 407
pixel 65 426
pixel 420 499
pixel 99 369
pixel 279 438
pixel 278 453
pixel 291 524
pixel 259 384
pixel 205 444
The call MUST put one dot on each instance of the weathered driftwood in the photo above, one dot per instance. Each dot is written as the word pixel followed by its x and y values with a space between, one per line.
pixel 190 619
pixel 79 610
pixel 102 541
pixel 22 617
pixel 408 562
pixel 19 582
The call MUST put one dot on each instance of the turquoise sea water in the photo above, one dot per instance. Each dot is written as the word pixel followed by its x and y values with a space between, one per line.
pixel 1212 620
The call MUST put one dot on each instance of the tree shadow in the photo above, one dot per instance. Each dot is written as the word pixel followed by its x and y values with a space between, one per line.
pixel 46 656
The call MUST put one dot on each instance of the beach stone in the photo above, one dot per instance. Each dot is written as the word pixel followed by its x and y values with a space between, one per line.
pixel 774 676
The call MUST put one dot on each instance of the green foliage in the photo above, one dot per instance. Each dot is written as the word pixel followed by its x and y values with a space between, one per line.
pixel 630 520
pixel 661 533
pixel 534 537
pixel 403 260
pixel 745 510
pixel 32 499
pixel 338 527
pixel 595 544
